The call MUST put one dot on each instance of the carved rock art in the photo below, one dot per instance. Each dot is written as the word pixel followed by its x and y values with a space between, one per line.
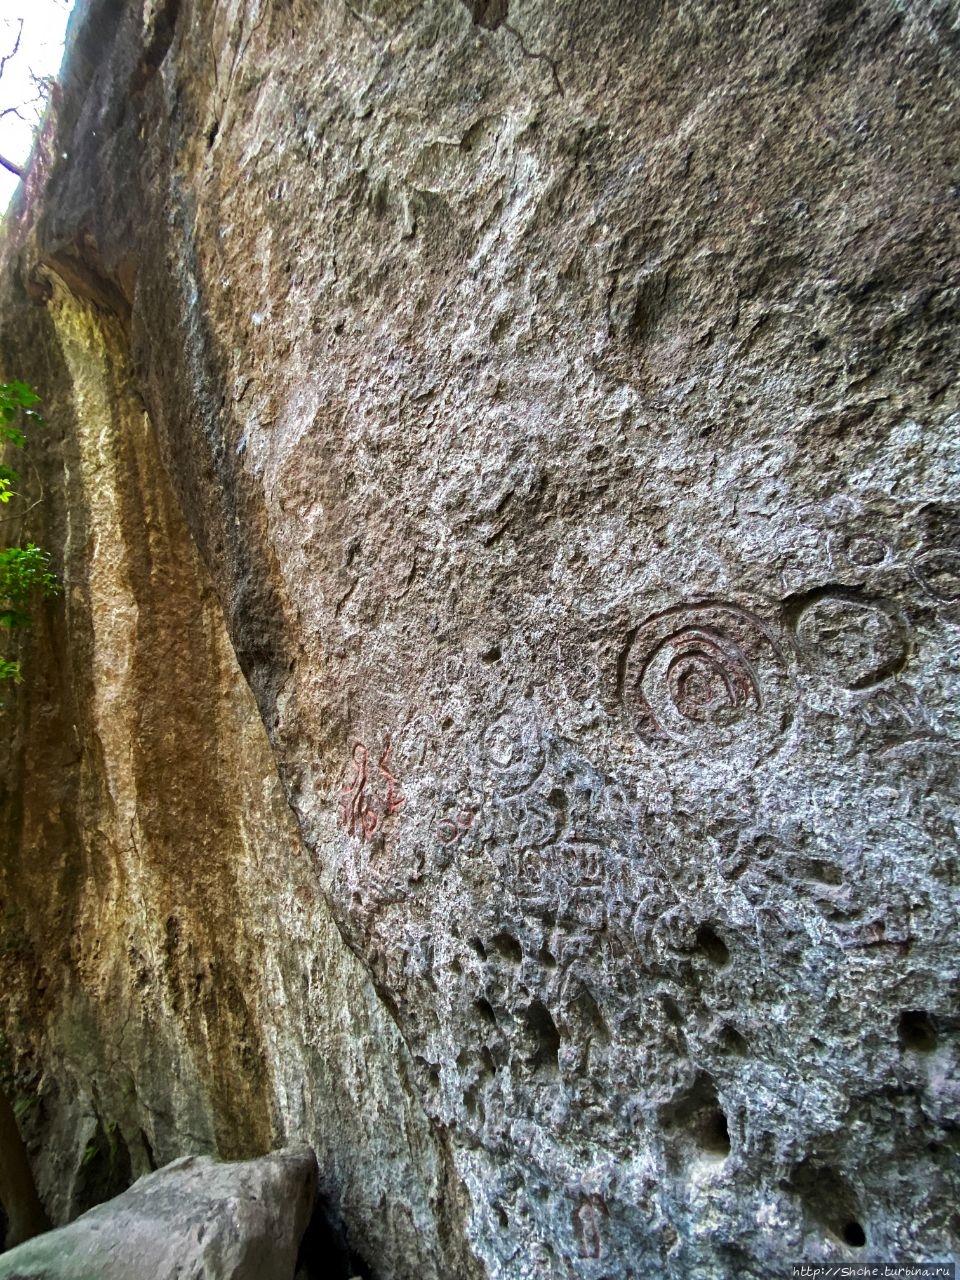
pixel 854 642
pixel 894 710
pixel 938 572
pixel 604 449
pixel 368 796
pixel 706 676
pixel 514 751
pixel 587 1218
pixel 452 829
pixel 866 550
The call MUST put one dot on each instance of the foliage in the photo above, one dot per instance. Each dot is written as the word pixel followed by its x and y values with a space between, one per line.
pixel 16 397
pixel 24 571
pixel 16 403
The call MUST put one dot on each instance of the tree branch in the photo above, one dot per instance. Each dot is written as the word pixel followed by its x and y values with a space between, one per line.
pixel 14 168
pixel 15 50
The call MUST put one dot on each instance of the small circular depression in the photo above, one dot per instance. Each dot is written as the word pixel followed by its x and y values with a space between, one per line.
pixel 713 946
pixel 854 1235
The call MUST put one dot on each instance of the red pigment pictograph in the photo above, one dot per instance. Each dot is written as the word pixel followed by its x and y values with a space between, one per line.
pixel 367 799
pixel 449 830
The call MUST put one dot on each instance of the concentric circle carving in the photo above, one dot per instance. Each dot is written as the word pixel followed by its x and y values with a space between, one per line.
pixel 707 676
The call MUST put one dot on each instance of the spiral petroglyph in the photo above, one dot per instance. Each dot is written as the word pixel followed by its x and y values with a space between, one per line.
pixel 706 675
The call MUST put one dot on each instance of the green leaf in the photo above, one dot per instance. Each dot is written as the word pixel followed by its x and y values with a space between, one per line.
pixel 17 398
pixel 13 434
pixel 25 572
pixel 19 393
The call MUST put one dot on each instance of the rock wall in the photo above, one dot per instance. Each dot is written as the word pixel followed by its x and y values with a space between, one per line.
pixel 172 980
pixel 559 403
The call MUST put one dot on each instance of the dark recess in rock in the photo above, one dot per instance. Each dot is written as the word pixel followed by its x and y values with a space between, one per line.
pixel 916 1030
pixel 488 13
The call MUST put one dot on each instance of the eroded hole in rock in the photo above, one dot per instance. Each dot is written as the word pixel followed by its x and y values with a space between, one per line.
pixel 696 1119
pixel 473 1105
pixel 541 1031
pixel 854 1235
pixel 506 945
pixel 479 948
pixel 587 1012
pixel 829 1199
pixel 428 1073
pixel 485 1010
pixel 557 800
pixel 492 655
pixel 713 1135
pixel 713 946
pixel 671 1009
pixel 824 872
pixel 488 13
pixel 731 1041
pixel 916 1031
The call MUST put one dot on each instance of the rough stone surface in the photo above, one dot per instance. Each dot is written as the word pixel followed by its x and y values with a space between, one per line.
pixel 170 978
pixel 560 398
pixel 195 1219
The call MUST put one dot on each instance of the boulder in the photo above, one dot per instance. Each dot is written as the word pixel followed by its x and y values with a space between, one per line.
pixel 195 1219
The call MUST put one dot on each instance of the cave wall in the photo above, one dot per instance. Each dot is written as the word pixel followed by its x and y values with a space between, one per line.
pixel 559 401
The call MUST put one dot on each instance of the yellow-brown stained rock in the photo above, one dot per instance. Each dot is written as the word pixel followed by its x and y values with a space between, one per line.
pixel 172 980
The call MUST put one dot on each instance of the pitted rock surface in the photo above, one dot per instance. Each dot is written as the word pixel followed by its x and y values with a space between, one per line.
pixel 561 399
